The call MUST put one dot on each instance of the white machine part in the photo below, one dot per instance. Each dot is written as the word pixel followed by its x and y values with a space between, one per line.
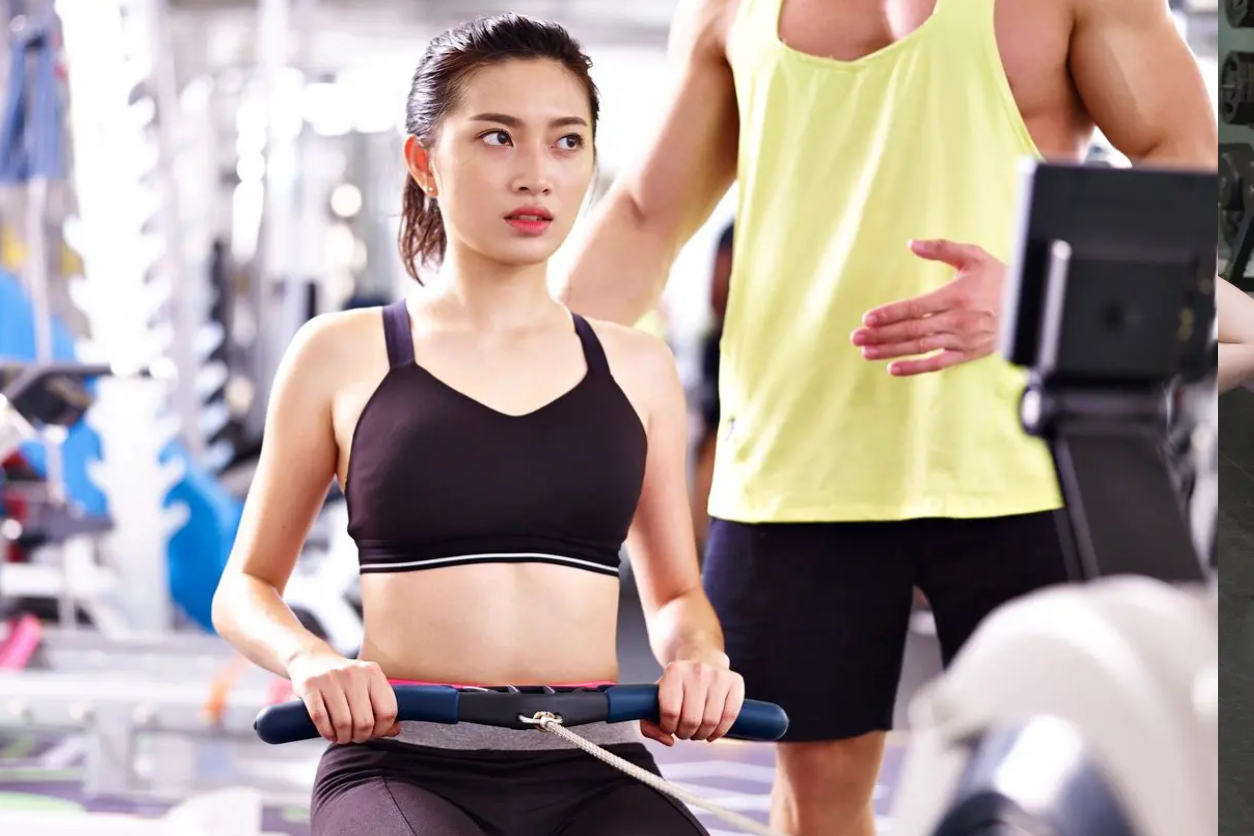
pixel 231 812
pixel 326 581
pixel 1124 670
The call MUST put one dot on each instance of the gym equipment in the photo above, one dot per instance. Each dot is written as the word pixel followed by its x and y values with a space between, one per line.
pixel 80 444
pixel 35 399
pixel 1090 708
pixel 131 710
pixel 233 812
pixel 1234 162
pixel 1236 89
pixel 1108 314
pixel 173 524
pixel 58 394
pixel 553 710
pixel 1236 200
pixel 1236 187
pixel 1239 12
pixel 129 704
pixel 1241 249
pixel 1071 712
pixel 324 590
pixel 325 580
pixel 153 728
pixel 49 395
pixel 514 707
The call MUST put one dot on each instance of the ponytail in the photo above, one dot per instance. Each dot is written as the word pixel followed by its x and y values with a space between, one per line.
pixel 421 238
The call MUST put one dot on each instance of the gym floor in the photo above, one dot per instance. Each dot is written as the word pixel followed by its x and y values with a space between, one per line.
pixel 43 771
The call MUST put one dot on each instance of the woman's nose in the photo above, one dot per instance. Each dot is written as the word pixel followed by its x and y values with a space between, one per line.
pixel 533 175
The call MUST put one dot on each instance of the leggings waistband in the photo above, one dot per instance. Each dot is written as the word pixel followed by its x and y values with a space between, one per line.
pixel 475 736
pixel 471 736
pixel 596 684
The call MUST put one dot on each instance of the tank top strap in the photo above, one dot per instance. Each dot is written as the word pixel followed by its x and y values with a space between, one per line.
pixel 397 334
pixel 593 353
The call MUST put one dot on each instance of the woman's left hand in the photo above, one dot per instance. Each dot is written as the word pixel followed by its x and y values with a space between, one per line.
pixel 698 699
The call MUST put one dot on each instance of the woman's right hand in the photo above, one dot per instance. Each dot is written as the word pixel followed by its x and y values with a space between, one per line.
pixel 349 701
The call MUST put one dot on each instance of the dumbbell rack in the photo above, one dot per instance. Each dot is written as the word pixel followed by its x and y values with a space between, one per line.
pixel 1236 151
pixel 134 295
pixel 1236 208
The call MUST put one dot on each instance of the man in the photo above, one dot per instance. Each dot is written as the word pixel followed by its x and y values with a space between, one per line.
pixel 869 439
pixel 707 394
pixel 1236 336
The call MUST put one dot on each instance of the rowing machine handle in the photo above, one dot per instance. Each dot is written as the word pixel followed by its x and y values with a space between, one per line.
pixel 757 720
pixel 290 722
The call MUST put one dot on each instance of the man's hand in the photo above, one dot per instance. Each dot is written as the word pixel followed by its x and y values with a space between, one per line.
pixel 697 700
pixel 958 321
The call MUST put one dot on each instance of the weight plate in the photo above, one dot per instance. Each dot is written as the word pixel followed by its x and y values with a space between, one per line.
pixel 1235 160
pixel 1240 13
pixel 1229 225
pixel 1236 88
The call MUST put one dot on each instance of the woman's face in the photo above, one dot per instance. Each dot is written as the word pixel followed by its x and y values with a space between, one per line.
pixel 513 160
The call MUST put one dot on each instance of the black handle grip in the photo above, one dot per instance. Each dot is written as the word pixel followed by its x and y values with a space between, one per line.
pixel 757 720
pixel 290 721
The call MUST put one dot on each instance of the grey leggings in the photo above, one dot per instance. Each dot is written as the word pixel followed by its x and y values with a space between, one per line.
pixel 386 788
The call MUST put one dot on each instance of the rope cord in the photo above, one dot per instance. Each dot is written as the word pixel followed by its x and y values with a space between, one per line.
pixel 551 723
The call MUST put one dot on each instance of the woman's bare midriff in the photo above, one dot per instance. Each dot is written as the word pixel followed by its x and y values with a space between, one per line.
pixel 492 624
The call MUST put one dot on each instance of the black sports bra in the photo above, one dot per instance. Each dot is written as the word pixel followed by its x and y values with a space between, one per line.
pixel 437 478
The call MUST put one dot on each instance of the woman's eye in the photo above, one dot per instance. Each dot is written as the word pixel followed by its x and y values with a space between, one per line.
pixel 496 138
pixel 571 142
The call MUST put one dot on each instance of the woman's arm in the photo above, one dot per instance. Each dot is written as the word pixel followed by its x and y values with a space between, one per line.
pixel 699 696
pixel 682 624
pixel 1236 336
pixel 297 463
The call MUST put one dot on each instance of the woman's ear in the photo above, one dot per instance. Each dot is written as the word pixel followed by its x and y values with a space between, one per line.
pixel 418 161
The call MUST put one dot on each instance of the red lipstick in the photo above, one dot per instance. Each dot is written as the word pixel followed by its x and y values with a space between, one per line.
pixel 530 220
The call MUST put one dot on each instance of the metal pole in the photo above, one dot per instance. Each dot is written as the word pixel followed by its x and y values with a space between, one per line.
pixel 186 297
pixel 38 278
pixel 36 270
pixel 270 261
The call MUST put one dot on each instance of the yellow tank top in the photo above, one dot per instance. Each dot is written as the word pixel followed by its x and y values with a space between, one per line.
pixel 840 164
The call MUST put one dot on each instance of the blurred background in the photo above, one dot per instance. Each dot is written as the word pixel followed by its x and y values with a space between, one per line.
pixel 1236 448
pixel 183 183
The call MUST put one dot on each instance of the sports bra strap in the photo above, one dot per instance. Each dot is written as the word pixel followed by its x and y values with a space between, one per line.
pixel 397 334
pixel 593 353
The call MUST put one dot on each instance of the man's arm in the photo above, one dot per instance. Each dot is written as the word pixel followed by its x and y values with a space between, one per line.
pixel 1141 84
pixel 621 263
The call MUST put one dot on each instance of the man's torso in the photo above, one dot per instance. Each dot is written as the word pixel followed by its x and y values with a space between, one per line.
pixel 862 125
pixel 1033 39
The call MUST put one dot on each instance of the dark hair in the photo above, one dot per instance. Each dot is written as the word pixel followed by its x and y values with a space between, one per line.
pixel 450 58
pixel 727 237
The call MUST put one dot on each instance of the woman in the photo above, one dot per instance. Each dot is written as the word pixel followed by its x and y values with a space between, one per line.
pixel 495 452
pixel 1236 336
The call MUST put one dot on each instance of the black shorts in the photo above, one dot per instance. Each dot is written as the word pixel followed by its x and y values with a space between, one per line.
pixel 816 615
pixel 386 788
